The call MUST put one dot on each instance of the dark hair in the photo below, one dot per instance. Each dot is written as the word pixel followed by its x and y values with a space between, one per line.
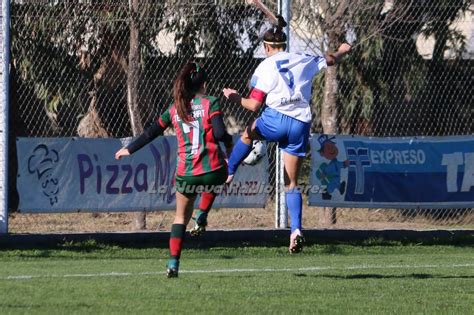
pixel 275 37
pixel 189 81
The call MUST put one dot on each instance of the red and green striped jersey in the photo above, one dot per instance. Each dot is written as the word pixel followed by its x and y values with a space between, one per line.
pixel 198 150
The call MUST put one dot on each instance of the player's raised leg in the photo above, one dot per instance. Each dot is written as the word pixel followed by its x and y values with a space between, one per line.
pixel 294 200
pixel 184 211
pixel 240 151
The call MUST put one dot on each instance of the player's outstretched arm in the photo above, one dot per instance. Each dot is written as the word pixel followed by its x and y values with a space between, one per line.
pixel 146 137
pixel 333 58
pixel 248 103
pixel 221 134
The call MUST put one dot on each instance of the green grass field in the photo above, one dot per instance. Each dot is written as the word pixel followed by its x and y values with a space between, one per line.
pixel 91 278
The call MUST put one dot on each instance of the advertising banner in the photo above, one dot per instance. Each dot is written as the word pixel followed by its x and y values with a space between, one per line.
pixel 80 174
pixel 351 171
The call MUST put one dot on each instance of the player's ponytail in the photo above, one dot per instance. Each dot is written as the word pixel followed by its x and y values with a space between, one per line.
pixel 281 22
pixel 189 81
pixel 276 37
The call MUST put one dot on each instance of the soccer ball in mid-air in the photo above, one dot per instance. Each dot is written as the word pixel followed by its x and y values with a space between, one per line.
pixel 257 153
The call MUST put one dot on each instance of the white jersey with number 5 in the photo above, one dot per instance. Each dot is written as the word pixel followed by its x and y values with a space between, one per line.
pixel 286 79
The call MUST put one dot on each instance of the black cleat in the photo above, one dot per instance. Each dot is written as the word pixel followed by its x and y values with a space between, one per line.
pixel 172 273
pixel 199 225
pixel 296 242
pixel 172 268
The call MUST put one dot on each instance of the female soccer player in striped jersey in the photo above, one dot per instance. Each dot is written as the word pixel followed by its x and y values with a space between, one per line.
pixel 283 83
pixel 197 120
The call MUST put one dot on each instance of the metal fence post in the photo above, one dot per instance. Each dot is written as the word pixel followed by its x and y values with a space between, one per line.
pixel 4 104
pixel 277 186
pixel 281 212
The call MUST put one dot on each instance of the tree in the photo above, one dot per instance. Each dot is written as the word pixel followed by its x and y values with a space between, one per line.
pixel 96 67
pixel 384 82
pixel 331 21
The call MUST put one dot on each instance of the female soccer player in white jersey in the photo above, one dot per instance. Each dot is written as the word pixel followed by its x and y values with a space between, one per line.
pixel 283 83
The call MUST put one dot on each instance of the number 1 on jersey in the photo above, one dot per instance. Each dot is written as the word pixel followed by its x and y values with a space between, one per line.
pixel 194 126
pixel 286 71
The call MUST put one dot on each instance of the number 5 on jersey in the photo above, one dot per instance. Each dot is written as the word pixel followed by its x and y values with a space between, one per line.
pixel 286 72
pixel 194 126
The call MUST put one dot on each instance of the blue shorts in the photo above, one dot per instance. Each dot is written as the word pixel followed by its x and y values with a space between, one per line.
pixel 291 134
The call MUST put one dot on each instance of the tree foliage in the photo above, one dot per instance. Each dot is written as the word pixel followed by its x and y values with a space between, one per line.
pixel 68 55
pixel 385 82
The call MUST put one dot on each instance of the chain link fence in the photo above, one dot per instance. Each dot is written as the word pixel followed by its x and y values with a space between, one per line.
pixel 105 69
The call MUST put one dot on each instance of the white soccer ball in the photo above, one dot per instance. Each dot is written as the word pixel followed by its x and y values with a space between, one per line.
pixel 257 153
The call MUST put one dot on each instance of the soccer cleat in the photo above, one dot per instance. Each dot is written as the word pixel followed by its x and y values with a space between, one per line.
pixel 200 224
pixel 172 268
pixel 296 242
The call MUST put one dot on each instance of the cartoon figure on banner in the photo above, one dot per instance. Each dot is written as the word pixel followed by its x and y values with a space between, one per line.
pixel 329 174
pixel 41 163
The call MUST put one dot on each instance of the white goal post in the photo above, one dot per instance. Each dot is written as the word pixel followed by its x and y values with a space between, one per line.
pixel 4 104
pixel 281 212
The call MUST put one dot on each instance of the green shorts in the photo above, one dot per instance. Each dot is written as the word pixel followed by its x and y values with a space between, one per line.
pixel 209 182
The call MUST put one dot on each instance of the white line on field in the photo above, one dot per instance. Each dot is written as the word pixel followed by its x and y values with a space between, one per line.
pixel 243 270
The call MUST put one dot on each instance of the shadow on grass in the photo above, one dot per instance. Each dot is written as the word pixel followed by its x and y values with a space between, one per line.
pixel 333 250
pixel 380 276
pixel 233 275
pixel 229 239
